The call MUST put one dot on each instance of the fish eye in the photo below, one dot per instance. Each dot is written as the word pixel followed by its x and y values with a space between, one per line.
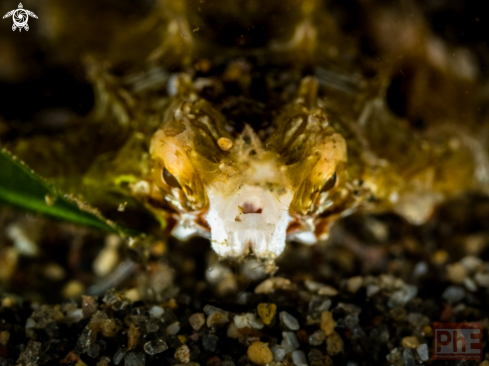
pixel 330 183
pixel 170 179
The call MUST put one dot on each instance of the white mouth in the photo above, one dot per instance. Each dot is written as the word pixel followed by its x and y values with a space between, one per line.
pixel 253 218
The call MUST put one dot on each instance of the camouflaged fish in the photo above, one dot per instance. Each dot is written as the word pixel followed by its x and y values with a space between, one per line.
pixel 248 191
pixel 254 194
pixel 333 148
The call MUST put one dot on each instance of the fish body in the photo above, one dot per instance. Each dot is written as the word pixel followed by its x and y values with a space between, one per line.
pixel 249 191
pixel 254 193
pixel 254 141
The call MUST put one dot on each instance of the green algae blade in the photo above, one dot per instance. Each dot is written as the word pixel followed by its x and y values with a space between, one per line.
pixel 23 188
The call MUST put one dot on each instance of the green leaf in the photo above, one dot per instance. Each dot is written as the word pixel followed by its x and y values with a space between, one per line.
pixel 20 186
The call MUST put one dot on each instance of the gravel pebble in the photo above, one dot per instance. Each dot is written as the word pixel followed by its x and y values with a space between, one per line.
pixel 173 328
pixel 248 320
pixel 156 311
pixel 470 284
pixel 410 342
pixel 121 352
pixel 328 291
pixel 372 290
pixel 317 338
pixel 320 288
pixel 453 294
pixel 132 337
pixel 155 346
pixel 135 359
pixel 289 342
pixel 267 312
pixel 89 306
pixel 182 354
pixel 456 272
pixel 274 283
pixel 408 358
pixel 289 321
pixel 471 263
pixel 334 344
pixel 482 279
pixel 403 296
pixel 4 337
pixel 278 353
pixel 260 353
pixel 209 342
pixel 354 284
pixel 327 322
pixel 209 309
pixel 299 358
pixel 232 331
pixel 217 319
pixel 423 352
pixel 196 321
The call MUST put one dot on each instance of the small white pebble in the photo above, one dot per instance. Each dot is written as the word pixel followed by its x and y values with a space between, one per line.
pixel 320 288
pixel 470 284
pixel 354 284
pixel 289 321
pixel 278 353
pixel 290 342
pixel 30 323
pixel 232 331
pixel 317 338
pixel 402 296
pixel 299 358
pixel 423 352
pixel 209 309
pixel 471 263
pixel 328 291
pixel 23 240
pixel 453 294
pixel 482 279
pixel 248 320
pixel 155 346
pixel 74 316
pixel 156 311
pixel 173 329
pixel 372 290
pixel 313 286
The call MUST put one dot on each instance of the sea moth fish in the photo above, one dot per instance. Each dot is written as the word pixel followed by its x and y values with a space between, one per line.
pixel 252 194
